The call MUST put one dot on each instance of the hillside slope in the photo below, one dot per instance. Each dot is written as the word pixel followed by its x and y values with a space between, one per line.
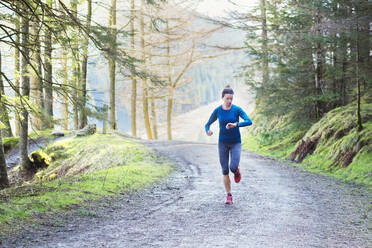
pixel 331 146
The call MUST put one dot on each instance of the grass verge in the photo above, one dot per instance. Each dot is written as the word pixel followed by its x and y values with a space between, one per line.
pixel 81 170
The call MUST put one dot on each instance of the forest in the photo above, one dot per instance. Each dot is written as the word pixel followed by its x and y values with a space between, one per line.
pixel 311 72
pixel 117 79
pixel 49 49
pixel 304 59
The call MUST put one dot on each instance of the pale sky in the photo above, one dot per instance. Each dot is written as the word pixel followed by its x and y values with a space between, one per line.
pixel 220 8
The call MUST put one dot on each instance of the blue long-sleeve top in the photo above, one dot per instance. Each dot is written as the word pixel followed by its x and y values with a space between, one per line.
pixel 231 135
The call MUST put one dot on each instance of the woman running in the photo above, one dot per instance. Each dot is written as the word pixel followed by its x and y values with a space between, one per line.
pixel 229 141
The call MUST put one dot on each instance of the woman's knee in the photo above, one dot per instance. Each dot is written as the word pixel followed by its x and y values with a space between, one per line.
pixel 234 168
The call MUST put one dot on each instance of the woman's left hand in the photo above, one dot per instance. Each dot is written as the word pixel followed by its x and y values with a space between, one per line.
pixel 230 125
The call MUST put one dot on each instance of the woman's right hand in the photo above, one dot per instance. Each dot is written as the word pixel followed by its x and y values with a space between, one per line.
pixel 209 133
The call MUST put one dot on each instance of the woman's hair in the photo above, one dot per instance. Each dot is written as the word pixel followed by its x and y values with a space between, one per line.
pixel 227 90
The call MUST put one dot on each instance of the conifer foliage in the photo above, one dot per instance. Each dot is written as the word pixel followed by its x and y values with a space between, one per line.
pixel 309 57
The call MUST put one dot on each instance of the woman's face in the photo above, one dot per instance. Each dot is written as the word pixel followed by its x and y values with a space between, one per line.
pixel 227 99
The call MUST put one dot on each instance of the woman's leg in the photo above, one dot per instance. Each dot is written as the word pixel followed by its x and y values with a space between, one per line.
pixel 223 151
pixel 227 183
pixel 235 157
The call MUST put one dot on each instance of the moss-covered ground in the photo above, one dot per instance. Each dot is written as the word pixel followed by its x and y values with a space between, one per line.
pixel 81 170
pixel 341 150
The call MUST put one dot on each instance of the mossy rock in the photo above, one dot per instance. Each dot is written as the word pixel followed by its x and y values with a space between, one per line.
pixel 87 130
pixel 40 160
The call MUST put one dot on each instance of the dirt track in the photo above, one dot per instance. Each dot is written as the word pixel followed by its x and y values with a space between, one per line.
pixel 275 205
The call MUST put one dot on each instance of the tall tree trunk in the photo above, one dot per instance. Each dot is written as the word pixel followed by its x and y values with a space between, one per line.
pixel 6 132
pixel 33 90
pixel 145 102
pixel 146 109
pixel 153 114
pixel 76 68
pixel 342 51
pixel 36 79
pixel 76 88
pixel 23 137
pixel 17 66
pixel 4 182
pixel 48 71
pixel 83 99
pixel 319 67
pixel 169 112
pixel 65 91
pixel 357 62
pixel 170 86
pixel 335 78
pixel 133 77
pixel 66 82
pixel 112 65
pixel 152 95
pixel 343 82
pixel 359 118
pixel 40 86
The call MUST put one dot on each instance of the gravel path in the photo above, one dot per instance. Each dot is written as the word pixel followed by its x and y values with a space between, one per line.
pixel 275 205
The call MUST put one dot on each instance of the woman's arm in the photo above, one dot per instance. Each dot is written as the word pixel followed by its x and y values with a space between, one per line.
pixel 244 116
pixel 212 119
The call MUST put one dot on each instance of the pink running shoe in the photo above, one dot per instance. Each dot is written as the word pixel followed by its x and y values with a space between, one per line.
pixel 229 199
pixel 237 176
